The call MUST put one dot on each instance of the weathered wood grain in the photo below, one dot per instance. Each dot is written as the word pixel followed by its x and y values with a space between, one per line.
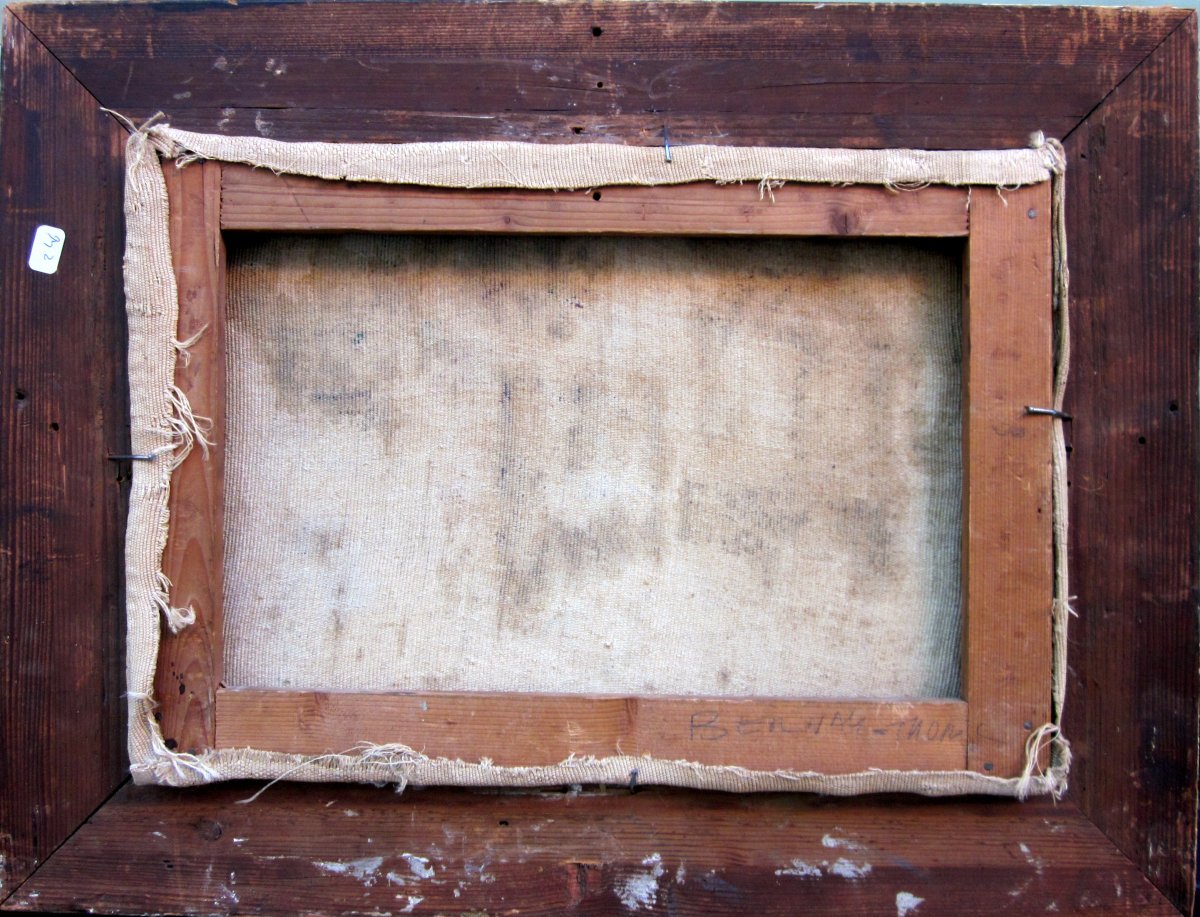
pixel 920 130
pixel 188 670
pixel 1017 70
pixel 840 42
pixel 826 736
pixel 260 199
pixel 63 408
pixel 352 849
pixel 1008 581
pixel 1132 708
pixel 586 85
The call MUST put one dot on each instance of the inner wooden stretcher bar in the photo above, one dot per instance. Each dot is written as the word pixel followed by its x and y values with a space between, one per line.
pixel 1007 553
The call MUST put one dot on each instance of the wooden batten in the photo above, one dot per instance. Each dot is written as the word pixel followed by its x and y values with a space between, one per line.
pixel 1008 583
pixel 189 662
pixel 820 736
pixel 260 199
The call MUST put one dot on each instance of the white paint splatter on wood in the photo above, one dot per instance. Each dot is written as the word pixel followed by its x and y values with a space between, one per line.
pixel 419 866
pixel 841 867
pixel 228 895
pixel 847 869
pixel 1035 861
pixel 479 871
pixel 1020 889
pixel 906 903
pixel 365 870
pixel 835 842
pixel 640 890
pixel 801 869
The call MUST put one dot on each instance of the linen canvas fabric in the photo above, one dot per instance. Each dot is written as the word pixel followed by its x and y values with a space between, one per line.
pixel 541 464
pixel 707 467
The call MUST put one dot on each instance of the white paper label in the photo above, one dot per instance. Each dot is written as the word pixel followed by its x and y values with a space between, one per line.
pixel 47 249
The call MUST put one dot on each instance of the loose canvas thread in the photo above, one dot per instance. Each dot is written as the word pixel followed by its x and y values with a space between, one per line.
pixel 1054 779
pixel 163 423
pixel 177 618
pixel 183 348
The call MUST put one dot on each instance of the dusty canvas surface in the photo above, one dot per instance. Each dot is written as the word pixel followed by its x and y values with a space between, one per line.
pixel 593 465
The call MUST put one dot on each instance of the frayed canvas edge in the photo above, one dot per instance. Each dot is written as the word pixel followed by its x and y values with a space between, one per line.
pixel 400 766
pixel 177 431
pixel 162 428
pixel 562 167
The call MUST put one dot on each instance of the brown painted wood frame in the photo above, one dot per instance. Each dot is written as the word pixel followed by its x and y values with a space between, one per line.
pixel 1007 563
pixel 1119 86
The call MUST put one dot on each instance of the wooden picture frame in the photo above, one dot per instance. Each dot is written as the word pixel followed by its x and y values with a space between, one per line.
pixel 1119 86
pixel 1007 563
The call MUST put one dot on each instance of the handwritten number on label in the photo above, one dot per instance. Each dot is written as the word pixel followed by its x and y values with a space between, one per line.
pixel 47 249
